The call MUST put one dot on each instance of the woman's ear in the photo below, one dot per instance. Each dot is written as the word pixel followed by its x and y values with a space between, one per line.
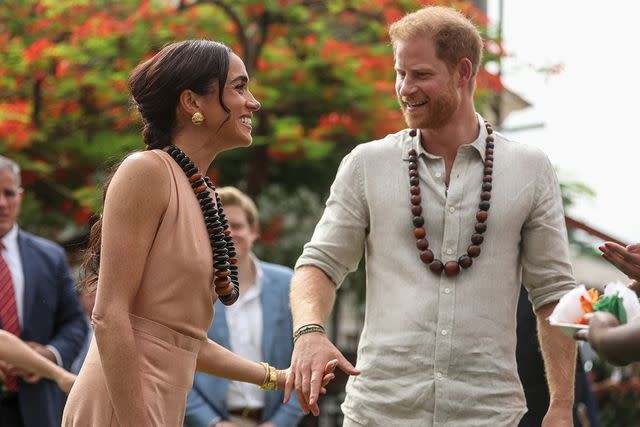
pixel 188 102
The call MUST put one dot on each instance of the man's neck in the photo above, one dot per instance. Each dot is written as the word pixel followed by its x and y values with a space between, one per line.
pixel 444 141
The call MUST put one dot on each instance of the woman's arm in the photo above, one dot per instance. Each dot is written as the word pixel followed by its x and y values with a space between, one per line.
pixel 135 202
pixel 17 353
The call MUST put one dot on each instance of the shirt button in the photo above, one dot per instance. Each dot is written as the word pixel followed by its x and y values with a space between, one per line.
pixel 447 290
pixel 444 332
pixel 449 251
pixel 439 375
pixel 438 174
pixel 452 209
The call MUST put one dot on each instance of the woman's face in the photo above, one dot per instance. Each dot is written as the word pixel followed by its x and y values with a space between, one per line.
pixel 236 130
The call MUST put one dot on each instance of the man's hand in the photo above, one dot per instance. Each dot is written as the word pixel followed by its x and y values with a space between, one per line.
pixel 559 414
pixel 311 356
pixel 626 259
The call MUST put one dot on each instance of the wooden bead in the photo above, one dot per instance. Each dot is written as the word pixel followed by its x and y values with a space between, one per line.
pixel 481 227
pixel 413 152
pixel 477 239
pixel 413 173
pixel 222 273
pixel 488 171
pixel 227 232
pixel 489 152
pixel 486 186
pixel 233 261
pixel 489 130
pixel 485 195
pixel 487 178
pixel 420 233
pixel 473 251
pixel 195 177
pixel 482 216
pixel 224 290
pixel 488 157
pixel 488 164
pixel 413 165
pixel 436 266
pixel 427 256
pixel 465 261
pixel 416 210
pixel 418 221
pixel 489 138
pixel 414 189
pixel 201 189
pixel 484 205
pixel 422 244
pixel 416 199
pixel 451 268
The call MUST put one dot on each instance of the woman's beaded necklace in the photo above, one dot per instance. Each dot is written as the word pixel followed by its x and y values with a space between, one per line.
pixel 224 252
pixel 451 268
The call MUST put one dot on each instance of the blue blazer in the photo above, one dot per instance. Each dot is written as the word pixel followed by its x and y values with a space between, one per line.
pixel 52 315
pixel 206 400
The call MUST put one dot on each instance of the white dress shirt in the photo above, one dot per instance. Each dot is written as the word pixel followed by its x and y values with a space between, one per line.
pixel 244 319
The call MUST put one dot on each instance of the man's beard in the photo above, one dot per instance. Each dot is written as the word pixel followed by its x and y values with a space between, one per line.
pixel 437 112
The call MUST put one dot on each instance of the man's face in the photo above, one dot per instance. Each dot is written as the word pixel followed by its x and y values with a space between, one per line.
pixel 10 200
pixel 425 86
pixel 243 234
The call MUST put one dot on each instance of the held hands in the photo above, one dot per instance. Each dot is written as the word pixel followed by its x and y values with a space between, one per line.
pixel 328 376
pixel 626 259
pixel 314 359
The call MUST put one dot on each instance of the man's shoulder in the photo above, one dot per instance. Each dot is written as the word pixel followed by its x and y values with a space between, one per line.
pixel 40 243
pixel 514 151
pixel 388 145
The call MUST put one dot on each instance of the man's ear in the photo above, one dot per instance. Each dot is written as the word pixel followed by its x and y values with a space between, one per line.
pixel 189 102
pixel 465 72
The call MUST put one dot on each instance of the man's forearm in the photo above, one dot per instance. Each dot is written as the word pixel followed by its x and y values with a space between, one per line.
pixel 559 354
pixel 312 296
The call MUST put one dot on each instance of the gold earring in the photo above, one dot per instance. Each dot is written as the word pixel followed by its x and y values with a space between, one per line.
pixel 197 118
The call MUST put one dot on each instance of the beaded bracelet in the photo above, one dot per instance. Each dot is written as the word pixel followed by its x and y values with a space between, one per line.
pixel 307 329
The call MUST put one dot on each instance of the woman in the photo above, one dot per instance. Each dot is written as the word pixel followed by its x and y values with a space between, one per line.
pixel 15 352
pixel 161 229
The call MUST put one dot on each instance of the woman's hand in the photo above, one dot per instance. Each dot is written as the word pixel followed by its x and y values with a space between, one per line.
pixel 328 376
pixel 626 259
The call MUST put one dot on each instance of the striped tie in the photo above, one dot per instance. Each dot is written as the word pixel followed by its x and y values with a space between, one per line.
pixel 8 310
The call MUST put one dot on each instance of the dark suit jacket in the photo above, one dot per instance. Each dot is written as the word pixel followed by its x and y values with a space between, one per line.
pixel 206 400
pixel 52 316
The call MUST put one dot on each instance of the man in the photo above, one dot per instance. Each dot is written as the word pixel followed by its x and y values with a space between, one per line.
pixel 258 326
pixel 38 303
pixel 438 343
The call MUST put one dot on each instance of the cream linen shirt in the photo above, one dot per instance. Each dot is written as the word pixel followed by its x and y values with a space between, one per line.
pixel 437 350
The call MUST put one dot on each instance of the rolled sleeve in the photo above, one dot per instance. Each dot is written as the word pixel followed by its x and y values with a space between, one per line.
pixel 337 243
pixel 546 268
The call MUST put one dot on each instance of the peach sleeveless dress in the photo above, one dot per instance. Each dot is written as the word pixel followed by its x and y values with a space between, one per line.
pixel 170 318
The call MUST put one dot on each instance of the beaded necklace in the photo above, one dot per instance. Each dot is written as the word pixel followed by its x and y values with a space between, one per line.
pixel 224 252
pixel 451 268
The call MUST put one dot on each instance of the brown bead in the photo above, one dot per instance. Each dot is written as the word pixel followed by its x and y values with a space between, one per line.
pixel 416 210
pixel 473 251
pixel 488 171
pixel 422 244
pixel 413 158
pixel 465 261
pixel 451 268
pixel 222 273
pixel 223 291
pixel 488 164
pixel 420 233
pixel 481 227
pixel 414 190
pixel 489 152
pixel 489 138
pixel 489 130
pixel 485 195
pixel 200 189
pixel 227 232
pixel 489 157
pixel 477 239
pixel 413 165
pixel 427 256
pixel 413 172
pixel 416 200
pixel 487 178
pixel 412 152
pixel 484 205
pixel 436 266
pixel 232 261
pixel 482 216
pixel 222 281
pixel 196 176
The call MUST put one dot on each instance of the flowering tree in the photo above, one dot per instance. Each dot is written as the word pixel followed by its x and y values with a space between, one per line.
pixel 323 72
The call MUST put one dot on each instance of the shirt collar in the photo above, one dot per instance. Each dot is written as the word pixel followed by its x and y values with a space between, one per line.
pixel 409 142
pixel 10 240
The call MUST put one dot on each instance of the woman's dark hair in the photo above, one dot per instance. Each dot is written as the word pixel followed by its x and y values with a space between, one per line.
pixel 155 87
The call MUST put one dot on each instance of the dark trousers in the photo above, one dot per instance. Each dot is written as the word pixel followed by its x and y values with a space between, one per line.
pixel 10 415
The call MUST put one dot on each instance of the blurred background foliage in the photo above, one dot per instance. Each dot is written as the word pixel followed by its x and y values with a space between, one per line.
pixel 323 71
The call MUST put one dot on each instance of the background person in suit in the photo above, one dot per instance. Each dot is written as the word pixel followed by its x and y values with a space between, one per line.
pixel 258 326
pixel 38 303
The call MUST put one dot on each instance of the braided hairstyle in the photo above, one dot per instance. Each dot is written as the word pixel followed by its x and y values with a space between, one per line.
pixel 155 86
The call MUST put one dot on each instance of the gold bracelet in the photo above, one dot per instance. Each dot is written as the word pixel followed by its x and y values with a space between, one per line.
pixel 270 382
